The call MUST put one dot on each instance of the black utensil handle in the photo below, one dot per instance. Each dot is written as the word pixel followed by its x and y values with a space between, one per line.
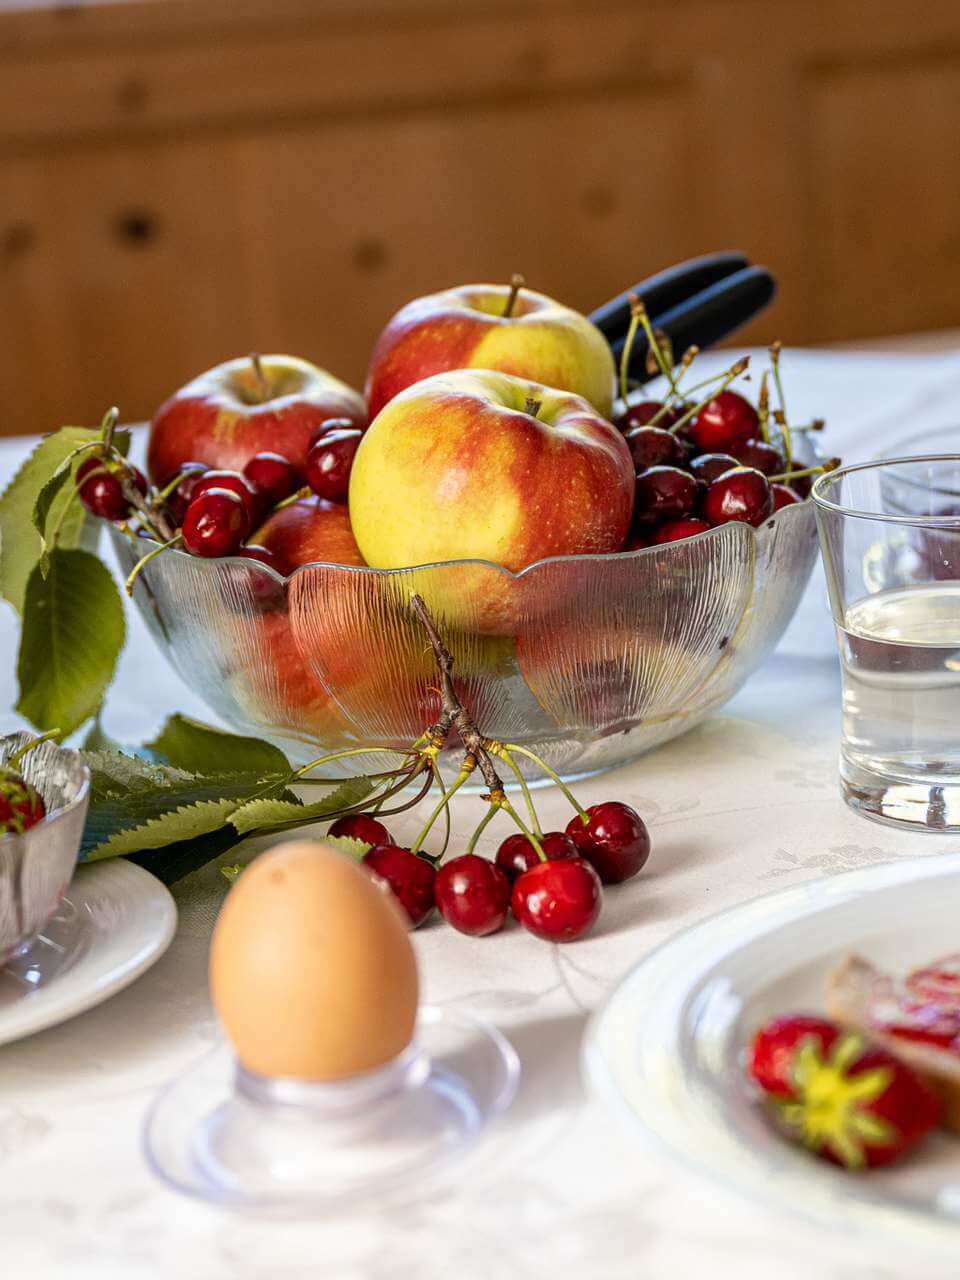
pixel 707 317
pixel 666 289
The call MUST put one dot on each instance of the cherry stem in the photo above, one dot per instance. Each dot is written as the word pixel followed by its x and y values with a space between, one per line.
pixel 154 551
pixel 763 408
pixel 817 424
pixel 466 769
pixel 12 761
pixel 108 426
pixel 263 386
pixel 352 751
pixel 304 492
pixel 528 799
pixel 172 487
pixel 155 520
pixel 628 345
pixel 453 713
pixel 824 467
pixel 733 372
pixel 524 751
pixel 507 807
pixel 492 809
pixel 516 284
pixel 662 362
pixel 782 420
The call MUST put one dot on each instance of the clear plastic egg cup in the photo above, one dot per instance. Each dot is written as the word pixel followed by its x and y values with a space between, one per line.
pixel 221 1134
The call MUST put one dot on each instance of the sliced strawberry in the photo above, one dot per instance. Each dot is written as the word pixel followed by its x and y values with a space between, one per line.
pixel 848 1101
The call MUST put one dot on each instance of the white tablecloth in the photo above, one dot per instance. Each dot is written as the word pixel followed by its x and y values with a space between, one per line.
pixel 744 804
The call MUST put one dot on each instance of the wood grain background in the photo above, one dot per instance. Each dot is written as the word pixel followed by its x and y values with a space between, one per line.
pixel 188 180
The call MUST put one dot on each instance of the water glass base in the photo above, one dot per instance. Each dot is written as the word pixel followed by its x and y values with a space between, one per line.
pixel 926 805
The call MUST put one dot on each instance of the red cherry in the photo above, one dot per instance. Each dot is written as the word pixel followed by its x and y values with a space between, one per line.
pixel 762 457
pixel 21 805
pixel 253 551
pixel 272 475
pixel 724 423
pixel 783 496
pixel 409 876
pixel 654 447
pixel 741 494
pixel 333 424
pixel 616 842
pixel 677 530
pixel 101 492
pixel 472 894
pixel 183 495
pixel 216 523
pixel 639 414
pixel 558 901
pixel 636 541
pixel 252 500
pixel 361 826
pixel 517 854
pixel 711 466
pixel 330 461
pixel 664 493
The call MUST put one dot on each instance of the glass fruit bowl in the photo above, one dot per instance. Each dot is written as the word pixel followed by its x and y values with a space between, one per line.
pixel 589 661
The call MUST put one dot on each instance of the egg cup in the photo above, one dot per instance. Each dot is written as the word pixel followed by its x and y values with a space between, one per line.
pixel 222 1134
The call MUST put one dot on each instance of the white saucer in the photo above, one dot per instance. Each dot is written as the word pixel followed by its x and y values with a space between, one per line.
pixel 667 1051
pixel 115 921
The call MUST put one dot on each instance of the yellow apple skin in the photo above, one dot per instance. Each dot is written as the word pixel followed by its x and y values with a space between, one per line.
pixel 454 468
pixel 465 328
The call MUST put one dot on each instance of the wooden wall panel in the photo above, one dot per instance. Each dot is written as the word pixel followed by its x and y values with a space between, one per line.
pixel 885 196
pixel 188 180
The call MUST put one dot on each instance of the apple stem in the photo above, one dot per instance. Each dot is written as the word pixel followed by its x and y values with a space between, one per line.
pixel 516 284
pixel 263 387
pixel 785 478
pixel 532 406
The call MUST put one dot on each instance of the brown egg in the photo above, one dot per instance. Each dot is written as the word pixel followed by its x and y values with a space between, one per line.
pixel 311 968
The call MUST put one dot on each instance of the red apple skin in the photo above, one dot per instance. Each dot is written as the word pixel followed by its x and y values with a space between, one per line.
pixel 464 328
pixel 455 469
pixel 220 420
pixel 307 531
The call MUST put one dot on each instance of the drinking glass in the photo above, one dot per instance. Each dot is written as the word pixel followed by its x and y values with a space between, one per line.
pixel 890 538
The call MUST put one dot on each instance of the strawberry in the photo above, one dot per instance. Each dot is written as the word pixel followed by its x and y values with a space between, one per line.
pixel 848 1101
pixel 21 805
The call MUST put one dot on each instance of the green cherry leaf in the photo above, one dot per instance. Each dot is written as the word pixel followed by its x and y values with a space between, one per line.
pixel 20 543
pixel 174 826
pixel 72 634
pixel 272 814
pixel 201 748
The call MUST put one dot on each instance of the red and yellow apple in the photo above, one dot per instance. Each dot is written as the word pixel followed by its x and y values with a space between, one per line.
pixel 482 465
pixel 307 531
pixel 247 406
pixel 489 326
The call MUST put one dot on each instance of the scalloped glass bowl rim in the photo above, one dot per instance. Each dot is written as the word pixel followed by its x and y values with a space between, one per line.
pixel 785 513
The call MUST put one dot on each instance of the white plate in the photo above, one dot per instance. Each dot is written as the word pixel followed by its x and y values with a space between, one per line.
pixel 115 921
pixel 666 1051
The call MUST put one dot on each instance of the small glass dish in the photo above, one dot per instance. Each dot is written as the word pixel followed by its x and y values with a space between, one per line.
pixel 36 865
pixel 223 1135
pixel 589 660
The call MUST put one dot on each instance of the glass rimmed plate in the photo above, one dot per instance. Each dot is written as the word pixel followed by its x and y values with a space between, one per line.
pixel 666 1052
pixel 113 923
